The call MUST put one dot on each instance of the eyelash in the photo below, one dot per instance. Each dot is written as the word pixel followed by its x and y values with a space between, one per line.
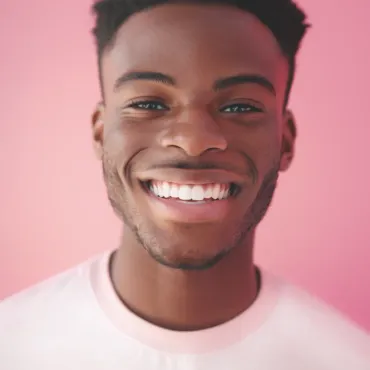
pixel 247 108
pixel 137 104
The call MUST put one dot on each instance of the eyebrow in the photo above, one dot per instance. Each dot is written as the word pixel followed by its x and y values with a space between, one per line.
pixel 220 84
pixel 224 83
pixel 144 76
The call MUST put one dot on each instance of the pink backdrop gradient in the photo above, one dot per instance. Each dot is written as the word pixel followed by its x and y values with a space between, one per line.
pixel 54 211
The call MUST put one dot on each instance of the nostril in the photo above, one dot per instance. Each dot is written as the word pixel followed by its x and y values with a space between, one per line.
pixel 193 138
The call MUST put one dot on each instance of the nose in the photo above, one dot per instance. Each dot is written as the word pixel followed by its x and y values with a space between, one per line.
pixel 195 132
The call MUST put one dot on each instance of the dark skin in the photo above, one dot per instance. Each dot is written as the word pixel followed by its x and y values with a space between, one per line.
pixel 192 122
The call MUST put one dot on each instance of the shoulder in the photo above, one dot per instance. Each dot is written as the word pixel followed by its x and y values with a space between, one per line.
pixel 48 318
pixel 51 297
pixel 321 329
pixel 48 289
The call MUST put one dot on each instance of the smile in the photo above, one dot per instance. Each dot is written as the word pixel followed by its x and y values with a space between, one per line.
pixel 190 192
pixel 190 203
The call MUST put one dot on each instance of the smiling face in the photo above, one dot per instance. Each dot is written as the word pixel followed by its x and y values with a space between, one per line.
pixel 193 130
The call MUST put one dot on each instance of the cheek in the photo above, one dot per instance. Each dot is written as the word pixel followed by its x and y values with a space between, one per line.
pixel 117 143
pixel 114 156
pixel 269 154
pixel 114 139
pixel 123 144
pixel 125 136
pixel 261 143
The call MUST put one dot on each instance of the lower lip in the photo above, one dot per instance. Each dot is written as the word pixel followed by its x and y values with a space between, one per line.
pixel 176 210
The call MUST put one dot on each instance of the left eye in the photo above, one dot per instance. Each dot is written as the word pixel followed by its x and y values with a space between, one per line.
pixel 148 105
pixel 241 108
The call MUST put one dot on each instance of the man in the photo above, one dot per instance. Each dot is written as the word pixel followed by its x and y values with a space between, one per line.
pixel 192 131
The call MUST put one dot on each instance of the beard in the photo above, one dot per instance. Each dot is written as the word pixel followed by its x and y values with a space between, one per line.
pixel 147 237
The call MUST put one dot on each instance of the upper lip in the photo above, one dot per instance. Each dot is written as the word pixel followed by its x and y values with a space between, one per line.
pixel 192 177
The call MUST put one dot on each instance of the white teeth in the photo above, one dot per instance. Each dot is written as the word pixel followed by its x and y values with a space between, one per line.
pixel 216 191
pixel 198 193
pixel 185 192
pixel 157 190
pixel 174 191
pixel 208 192
pixel 166 190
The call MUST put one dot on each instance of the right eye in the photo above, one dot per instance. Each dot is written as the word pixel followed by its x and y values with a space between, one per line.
pixel 147 105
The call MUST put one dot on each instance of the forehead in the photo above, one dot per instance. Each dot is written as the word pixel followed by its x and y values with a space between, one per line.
pixel 195 44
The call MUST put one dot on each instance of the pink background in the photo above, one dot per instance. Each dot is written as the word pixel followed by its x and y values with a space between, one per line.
pixel 54 212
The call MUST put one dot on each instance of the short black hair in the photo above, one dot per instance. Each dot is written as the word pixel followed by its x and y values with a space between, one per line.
pixel 283 17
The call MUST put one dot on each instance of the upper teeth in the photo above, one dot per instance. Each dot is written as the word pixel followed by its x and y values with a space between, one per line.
pixel 190 192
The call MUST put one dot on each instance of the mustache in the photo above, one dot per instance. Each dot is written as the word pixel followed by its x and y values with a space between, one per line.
pixel 249 169
pixel 186 165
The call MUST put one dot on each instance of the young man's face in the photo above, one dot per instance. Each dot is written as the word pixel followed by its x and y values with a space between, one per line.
pixel 189 121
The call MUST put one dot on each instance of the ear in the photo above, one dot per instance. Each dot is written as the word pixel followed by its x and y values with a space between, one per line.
pixel 288 142
pixel 97 125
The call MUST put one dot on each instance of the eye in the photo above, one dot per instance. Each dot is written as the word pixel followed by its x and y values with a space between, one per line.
pixel 147 105
pixel 241 108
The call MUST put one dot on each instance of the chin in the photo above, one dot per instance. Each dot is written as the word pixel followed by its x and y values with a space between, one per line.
pixel 189 263
pixel 189 255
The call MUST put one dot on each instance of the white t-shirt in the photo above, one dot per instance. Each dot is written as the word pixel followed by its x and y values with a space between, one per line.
pixel 75 321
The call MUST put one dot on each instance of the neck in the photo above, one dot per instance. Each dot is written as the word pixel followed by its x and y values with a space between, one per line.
pixel 184 300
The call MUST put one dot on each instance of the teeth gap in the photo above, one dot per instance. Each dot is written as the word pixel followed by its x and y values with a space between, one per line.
pixel 147 185
pixel 233 189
